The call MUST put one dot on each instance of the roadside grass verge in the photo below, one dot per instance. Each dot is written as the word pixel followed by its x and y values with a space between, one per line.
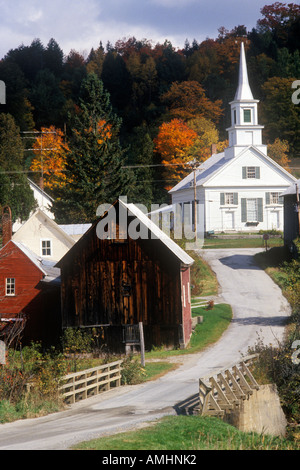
pixel 203 279
pixel 215 322
pixel 188 433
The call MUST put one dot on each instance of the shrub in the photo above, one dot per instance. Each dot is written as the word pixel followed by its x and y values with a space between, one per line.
pixel 132 371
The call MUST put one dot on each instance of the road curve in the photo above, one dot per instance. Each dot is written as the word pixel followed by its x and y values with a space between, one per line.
pixel 259 312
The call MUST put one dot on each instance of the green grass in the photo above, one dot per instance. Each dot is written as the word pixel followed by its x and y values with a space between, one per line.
pixel 188 433
pixel 241 243
pixel 215 322
pixel 203 279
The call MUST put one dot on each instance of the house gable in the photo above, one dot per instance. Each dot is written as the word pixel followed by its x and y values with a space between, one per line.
pixel 40 233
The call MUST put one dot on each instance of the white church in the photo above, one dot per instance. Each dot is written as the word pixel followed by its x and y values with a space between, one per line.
pixel 238 189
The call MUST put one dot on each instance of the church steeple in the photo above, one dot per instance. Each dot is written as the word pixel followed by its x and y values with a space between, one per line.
pixel 244 130
pixel 243 91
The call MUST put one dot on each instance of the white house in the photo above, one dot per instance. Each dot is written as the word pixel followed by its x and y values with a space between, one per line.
pixel 44 237
pixel 238 189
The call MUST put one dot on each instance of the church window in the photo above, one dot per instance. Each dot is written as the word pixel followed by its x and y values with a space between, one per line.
pixel 247 115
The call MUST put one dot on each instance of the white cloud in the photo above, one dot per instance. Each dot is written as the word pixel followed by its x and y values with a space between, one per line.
pixel 82 24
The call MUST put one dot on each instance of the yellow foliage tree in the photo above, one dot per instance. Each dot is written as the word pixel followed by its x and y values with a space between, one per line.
pixel 50 150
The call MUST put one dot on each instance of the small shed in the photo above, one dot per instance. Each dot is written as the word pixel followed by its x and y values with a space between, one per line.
pixel 30 288
pixel 132 273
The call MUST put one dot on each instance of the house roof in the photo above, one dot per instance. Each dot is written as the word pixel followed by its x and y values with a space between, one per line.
pixel 292 189
pixel 39 190
pixel 203 173
pixel 50 272
pixel 75 229
pixel 51 222
pixel 157 233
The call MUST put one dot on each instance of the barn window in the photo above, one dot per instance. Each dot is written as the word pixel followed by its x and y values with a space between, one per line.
pixel 10 288
pixel 46 248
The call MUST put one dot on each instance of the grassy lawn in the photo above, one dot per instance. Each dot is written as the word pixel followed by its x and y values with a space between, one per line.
pixel 188 433
pixel 241 243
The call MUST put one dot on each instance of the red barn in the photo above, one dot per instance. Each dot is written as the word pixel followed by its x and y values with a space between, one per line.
pixel 30 287
pixel 132 273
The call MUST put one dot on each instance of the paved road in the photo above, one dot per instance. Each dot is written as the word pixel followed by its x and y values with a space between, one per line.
pixel 259 313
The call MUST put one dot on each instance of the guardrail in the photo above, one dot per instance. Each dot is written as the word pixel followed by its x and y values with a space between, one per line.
pixel 220 393
pixel 83 384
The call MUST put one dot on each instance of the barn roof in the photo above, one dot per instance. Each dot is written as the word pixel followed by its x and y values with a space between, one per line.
pixel 158 233
pixel 291 189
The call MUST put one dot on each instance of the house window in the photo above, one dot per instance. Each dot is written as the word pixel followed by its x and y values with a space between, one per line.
pixel 229 199
pixel 252 214
pixel 10 288
pixel 251 172
pixel 247 115
pixel 234 116
pixel 46 247
pixel 273 198
pixel 252 210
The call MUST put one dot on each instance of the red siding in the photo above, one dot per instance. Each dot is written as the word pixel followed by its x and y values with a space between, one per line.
pixel 15 264
pixel 186 304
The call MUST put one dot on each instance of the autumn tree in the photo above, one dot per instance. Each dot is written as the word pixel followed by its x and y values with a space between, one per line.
pixel 207 136
pixel 279 151
pixel 187 100
pixel 50 157
pixel 173 142
pixel 94 165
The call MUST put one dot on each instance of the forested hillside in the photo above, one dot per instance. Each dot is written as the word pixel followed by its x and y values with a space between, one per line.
pixel 123 119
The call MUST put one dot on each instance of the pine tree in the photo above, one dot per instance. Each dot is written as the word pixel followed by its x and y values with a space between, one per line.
pixel 14 186
pixel 94 164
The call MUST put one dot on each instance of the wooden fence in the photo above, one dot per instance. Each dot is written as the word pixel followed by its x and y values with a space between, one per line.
pixel 221 393
pixel 83 384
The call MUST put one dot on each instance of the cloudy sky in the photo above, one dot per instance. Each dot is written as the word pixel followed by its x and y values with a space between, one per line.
pixel 82 24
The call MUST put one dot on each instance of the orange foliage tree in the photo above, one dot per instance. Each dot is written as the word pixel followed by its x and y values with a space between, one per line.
pixel 187 100
pixel 50 150
pixel 173 142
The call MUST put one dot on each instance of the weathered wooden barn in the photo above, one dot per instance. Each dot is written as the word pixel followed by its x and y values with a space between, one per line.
pixel 30 288
pixel 130 273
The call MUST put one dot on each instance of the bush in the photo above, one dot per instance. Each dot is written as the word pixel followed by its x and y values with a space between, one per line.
pixel 132 371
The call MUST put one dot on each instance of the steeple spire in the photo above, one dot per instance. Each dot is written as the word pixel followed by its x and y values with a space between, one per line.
pixel 244 130
pixel 243 91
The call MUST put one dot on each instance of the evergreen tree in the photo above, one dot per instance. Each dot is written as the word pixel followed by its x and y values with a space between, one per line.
pixel 14 186
pixel 94 164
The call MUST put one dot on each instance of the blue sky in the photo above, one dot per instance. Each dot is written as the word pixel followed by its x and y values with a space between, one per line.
pixel 82 24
